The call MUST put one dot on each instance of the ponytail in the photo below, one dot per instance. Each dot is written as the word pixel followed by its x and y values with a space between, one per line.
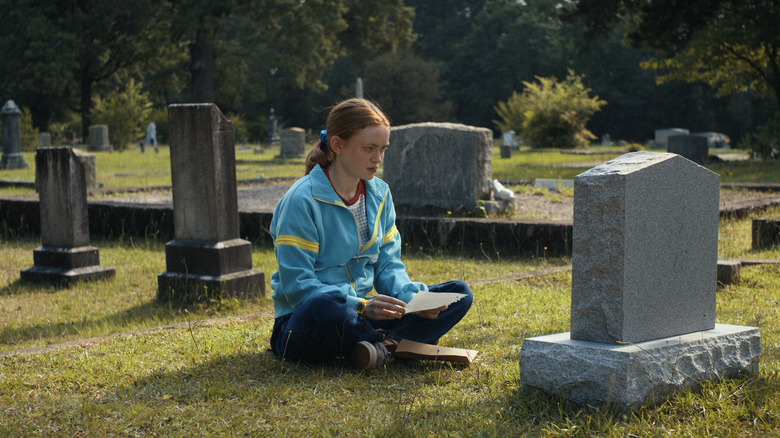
pixel 320 154
pixel 344 120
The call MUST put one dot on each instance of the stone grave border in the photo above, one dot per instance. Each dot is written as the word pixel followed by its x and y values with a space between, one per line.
pixel 19 215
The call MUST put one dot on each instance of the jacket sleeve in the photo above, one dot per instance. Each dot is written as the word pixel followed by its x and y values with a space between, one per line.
pixel 390 277
pixel 296 245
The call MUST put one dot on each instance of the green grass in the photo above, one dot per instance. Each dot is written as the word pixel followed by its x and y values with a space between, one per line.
pixel 217 378
pixel 735 237
pixel 38 315
pixel 752 171
pixel 529 164
pixel 132 168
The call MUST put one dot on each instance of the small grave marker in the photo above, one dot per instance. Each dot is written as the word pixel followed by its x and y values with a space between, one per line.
pixel 65 255
pixel 12 137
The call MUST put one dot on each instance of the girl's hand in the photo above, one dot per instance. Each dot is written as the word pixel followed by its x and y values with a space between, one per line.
pixel 431 313
pixel 384 307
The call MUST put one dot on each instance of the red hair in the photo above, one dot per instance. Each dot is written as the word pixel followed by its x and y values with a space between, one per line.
pixel 344 121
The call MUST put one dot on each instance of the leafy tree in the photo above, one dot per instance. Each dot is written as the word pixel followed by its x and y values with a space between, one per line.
pixel 763 143
pixel 510 42
pixel 550 113
pixel 67 47
pixel 126 111
pixel 38 67
pixel 283 42
pixel 734 45
pixel 440 24
pixel 406 88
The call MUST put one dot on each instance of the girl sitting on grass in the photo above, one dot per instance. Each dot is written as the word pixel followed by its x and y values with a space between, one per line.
pixel 335 241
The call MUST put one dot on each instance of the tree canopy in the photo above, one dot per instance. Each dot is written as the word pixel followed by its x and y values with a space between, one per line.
pixel 422 60
pixel 733 45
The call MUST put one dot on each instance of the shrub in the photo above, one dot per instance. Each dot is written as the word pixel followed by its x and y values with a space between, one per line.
pixel 550 113
pixel 28 133
pixel 126 112
pixel 765 141
pixel 240 131
pixel 66 131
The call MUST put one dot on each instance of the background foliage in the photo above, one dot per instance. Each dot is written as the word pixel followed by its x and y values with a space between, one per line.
pixel 422 60
pixel 550 113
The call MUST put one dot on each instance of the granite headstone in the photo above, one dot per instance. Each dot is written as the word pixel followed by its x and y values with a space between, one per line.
pixel 65 255
pixel 441 165
pixel 207 257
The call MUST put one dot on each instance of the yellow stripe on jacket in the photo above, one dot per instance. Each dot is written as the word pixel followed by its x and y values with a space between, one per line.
pixel 297 242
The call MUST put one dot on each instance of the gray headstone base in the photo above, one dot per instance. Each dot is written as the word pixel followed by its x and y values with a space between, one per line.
pixel 198 269
pixel 64 266
pixel 208 258
pixel 629 376
pixel 729 271
pixel 13 161
pixel 188 288
pixel 66 257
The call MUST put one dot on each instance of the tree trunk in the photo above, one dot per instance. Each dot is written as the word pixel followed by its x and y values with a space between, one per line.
pixel 203 58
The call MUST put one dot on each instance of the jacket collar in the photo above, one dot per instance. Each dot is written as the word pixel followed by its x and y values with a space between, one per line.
pixel 322 189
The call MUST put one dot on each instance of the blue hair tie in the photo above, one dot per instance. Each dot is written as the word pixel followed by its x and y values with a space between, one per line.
pixel 324 137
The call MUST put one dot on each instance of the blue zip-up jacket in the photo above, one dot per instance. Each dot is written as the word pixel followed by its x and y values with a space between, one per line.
pixel 317 246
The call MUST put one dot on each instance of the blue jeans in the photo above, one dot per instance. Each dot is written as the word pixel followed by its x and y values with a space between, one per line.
pixel 324 328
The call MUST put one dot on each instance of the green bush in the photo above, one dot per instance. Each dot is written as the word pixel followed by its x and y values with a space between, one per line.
pixel 28 133
pixel 126 112
pixel 550 113
pixel 66 131
pixel 764 143
pixel 240 131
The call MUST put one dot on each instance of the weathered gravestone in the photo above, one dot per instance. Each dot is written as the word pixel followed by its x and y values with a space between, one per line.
pixel 88 163
pixel 98 138
pixel 12 137
pixel 692 147
pixel 729 271
pixel 765 233
pixel 441 165
pixel 292 143
pixel 644 269
pixel 44 139
pixel 273 128
pixel 661 138
pixel 206 257
pixel 65 255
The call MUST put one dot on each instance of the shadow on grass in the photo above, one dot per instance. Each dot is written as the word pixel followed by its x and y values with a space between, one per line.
pixel 142 316
pixel 19 286
pixel 408 398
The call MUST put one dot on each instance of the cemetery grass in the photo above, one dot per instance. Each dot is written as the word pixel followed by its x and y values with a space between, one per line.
pixel 529 164
pixel 212 378
pixel 37 315
pixel 133 169
pixel 219 379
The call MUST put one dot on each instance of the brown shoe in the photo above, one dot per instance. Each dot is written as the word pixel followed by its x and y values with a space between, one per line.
pixel 367 355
